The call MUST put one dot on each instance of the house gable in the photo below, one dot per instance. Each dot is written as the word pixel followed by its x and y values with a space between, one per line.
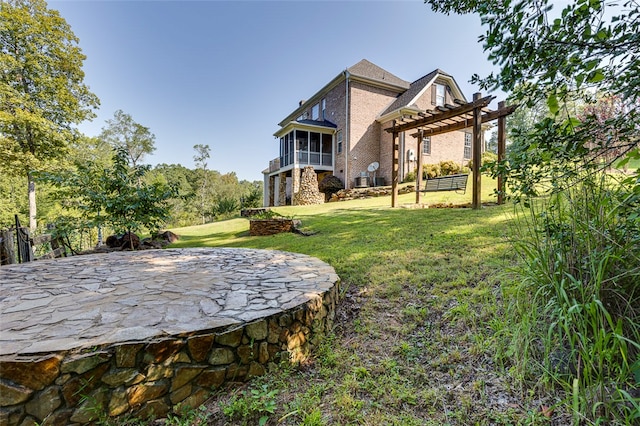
pixel 364 72
pixel 376 76
pixel 413 99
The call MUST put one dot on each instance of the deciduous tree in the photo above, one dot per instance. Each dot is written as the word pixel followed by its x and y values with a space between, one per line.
pixel 42 93
pixel 561 54
pixel 122 132
pixel 203 152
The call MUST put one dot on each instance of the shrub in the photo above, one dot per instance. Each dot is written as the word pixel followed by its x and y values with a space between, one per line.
pixel 449 168
pixel 253 199
pixel 225 207
pixel 410 177
pixel 430 171
pixel 487 157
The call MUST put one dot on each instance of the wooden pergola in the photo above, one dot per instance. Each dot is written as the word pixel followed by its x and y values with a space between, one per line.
pixel 446 119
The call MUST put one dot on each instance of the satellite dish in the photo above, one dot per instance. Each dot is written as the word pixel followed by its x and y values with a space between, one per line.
pixel 373 166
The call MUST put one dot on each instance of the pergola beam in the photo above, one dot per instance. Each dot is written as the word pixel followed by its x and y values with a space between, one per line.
pixel 466 122
pixel 439 116
pixel 447 119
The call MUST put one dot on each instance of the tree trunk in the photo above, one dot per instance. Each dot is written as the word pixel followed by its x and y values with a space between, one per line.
pixel 32 204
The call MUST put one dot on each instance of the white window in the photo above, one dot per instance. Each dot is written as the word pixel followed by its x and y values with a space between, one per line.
pixel 426 145
pixel 467 146
pixel 440 94
pixel 324 109
pixel 315 112
pixel 339 138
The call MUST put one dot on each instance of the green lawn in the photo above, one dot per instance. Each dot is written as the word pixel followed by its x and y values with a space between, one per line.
pixel 421 328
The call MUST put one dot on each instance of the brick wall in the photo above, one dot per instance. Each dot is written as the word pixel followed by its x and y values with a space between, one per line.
pixel 365 131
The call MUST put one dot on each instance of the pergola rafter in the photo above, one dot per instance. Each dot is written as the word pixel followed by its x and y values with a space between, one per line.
pixel 446 119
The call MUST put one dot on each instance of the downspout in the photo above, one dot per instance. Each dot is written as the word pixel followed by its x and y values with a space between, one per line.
pixel 347 181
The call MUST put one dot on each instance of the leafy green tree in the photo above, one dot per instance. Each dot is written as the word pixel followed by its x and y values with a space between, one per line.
pixel 560 58
pixel 203 152
pixel 129 203
pixel 115 196
pixel 42 93
pixel 182 206
pixel 91 150
pixel 252 194
pixel 122 132
pixel 12 199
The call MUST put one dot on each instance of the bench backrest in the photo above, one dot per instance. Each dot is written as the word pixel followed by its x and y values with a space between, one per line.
pixel 447 183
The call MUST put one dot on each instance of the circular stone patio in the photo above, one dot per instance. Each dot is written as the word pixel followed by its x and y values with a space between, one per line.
pixel 139 332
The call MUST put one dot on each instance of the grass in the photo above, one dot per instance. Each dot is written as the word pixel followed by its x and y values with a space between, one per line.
pixel 421 327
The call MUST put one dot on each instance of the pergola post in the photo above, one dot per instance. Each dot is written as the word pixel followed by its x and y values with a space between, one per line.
pixel 419 169
pixel 394 168
pixel 476 153
pixel 444 119
pixel 502 148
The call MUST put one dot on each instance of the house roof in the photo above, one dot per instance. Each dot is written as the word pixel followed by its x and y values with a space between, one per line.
pixel 407 98
pixel 363 70
pixel 312 125
pixel 319 123
pixel 416 87
pixel 371 71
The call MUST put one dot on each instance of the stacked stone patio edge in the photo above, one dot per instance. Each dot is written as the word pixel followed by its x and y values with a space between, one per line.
pixel 141 332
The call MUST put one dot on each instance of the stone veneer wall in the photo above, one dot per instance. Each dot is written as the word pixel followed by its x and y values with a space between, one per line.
pixel 148 378
pixel 379 191
pixel 282 190
pixel 263 227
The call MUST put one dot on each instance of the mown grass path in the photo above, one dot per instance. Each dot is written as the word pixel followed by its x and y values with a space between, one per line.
pixel 421 330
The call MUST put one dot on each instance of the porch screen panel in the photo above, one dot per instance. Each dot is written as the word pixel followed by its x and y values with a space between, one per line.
pixel 327 144
pixel 314 148
pixel 302 139
pixel 283 155
pixel 290 151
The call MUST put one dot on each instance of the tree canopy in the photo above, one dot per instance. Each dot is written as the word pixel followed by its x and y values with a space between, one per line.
pixel 564 56
pixel 122 132
pixel 41 89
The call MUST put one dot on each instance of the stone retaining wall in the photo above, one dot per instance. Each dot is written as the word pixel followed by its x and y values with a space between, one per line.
pixel 262 227
pixel 377 191
pixel 150 378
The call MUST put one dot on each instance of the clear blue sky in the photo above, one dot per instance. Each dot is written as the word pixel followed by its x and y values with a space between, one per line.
pixel 225 73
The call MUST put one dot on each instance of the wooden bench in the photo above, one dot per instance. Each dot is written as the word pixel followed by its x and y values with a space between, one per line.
pixel 446 183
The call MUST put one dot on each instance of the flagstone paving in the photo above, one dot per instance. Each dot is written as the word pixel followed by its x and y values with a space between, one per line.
pixel 87 301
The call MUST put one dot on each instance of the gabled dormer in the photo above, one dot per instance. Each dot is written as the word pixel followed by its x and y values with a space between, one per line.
pixel 428 92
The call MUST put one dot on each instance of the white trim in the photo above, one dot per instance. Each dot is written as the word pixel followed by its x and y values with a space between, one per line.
pixel 303 126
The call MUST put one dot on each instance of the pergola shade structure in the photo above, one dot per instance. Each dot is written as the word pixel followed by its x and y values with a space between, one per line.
pixel 446 119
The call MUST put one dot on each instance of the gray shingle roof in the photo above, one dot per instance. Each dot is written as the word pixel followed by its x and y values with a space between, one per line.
pixel 366 69
pixel 414 89
pixel 322 123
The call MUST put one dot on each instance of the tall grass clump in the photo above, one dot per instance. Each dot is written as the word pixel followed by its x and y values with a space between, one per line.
pixel 577 310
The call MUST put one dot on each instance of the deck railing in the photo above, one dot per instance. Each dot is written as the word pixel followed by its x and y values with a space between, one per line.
pixel 305 158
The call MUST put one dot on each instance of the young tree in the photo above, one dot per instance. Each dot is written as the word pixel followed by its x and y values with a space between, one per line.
pixel 128 202
pixel 124 133
pixel 115 195
pixel 42 93
pixel 203 152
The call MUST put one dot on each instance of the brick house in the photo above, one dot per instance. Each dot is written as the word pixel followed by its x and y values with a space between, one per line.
pixel 340 130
